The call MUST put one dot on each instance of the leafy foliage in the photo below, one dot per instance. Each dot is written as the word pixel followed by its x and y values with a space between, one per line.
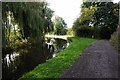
pixel 33 20
pixel 59 26
pixel 70 31
pixel 105 19
pixel 115 39
pixel 83 25
pixel 85 32
pixel 101 17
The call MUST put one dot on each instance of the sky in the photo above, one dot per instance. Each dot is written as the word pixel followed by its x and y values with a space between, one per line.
pixel 69 10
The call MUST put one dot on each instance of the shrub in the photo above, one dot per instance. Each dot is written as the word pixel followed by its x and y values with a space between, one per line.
pixel 115 39
pixel 85 32
pixel 105 33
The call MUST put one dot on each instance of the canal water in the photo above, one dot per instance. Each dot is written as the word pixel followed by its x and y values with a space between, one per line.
pixel 16 63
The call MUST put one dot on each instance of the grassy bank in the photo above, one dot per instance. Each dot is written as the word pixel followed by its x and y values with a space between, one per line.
pixel 54 67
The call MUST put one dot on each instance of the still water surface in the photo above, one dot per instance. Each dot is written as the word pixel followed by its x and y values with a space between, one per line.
pixel 14 65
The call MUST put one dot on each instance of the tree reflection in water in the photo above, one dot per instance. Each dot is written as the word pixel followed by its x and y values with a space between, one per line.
pixel 16 63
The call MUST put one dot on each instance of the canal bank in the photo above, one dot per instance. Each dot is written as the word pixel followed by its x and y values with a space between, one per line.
pixel 54 67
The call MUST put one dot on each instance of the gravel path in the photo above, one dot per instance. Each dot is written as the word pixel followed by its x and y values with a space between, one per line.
pixel 99 60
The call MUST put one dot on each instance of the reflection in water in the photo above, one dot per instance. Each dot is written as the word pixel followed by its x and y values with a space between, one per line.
pixel 10 58
pixel 17 63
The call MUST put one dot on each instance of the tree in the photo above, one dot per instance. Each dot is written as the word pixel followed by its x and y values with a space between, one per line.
pixel 83 25
pixel 70 31
pixel 105 19
pixel 59 26
pixel 33 20
pixel 101 17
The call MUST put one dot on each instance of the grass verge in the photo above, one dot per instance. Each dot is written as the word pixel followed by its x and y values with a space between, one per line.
pixel 54 67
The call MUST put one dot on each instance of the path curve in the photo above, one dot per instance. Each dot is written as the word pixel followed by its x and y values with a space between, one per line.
pixel 99 60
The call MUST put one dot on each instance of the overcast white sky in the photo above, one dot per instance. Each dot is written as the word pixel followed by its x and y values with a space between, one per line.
pixel 69 10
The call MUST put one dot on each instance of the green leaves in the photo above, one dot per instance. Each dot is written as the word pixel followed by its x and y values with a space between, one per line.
pixel 59 26
pixel 103 16
pixel 106 19
pixel 33 18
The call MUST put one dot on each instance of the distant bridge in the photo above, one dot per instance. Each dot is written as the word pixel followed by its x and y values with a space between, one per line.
pixel 58 36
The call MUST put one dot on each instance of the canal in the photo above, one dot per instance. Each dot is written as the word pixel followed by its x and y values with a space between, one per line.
pixel 17 62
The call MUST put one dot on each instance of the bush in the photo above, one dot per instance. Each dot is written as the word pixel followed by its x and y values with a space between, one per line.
pixel 115 39
pixel 85 32
pixel 105 33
